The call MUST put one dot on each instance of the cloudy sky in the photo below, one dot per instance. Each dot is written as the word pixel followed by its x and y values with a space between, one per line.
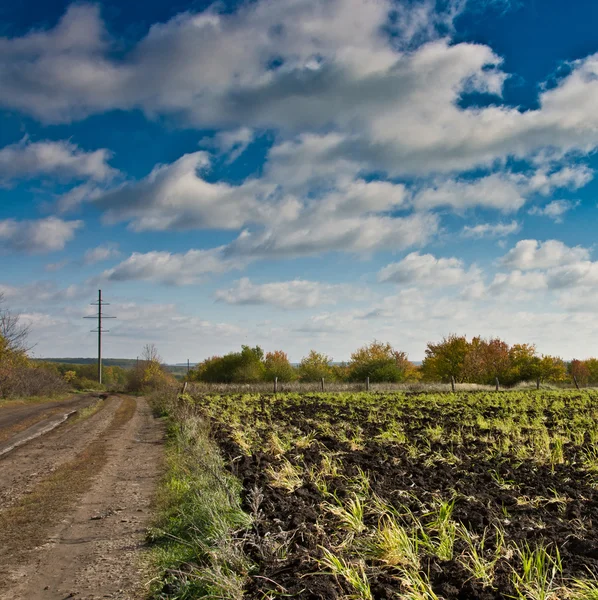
pixel 300 173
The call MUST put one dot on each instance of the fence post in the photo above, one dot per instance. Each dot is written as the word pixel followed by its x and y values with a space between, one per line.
pixel 497 383
pixel 367 384
pixel 538 383
pixel 275 385
pixel 452 384
pixel 575 381
pixel 322 384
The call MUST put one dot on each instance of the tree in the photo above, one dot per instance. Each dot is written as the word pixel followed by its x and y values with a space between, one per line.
pixel 277 365
pixel 149 374
pixel 14 332
pixel 486 360
pixel 552 369
pixel 380 362
pixel 446 359
pixel 251 368
pixel 315 366
pixel 525 364
pixel 592 365
pixel 579 370
pixel 246 366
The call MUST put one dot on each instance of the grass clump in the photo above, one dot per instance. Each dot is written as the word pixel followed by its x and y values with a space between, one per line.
pixel 197 546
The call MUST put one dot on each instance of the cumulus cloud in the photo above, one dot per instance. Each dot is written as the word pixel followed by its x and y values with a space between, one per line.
pixel 176 196
pixel 308 235
pixel 491 230
pixel 37 236
pixel 352 215
pixel 427 270
pixel 534 254
pixel 171 268
pixel 376 74
pixel 60 159
pixel 294 294
pixel 101 253
pixel 555 209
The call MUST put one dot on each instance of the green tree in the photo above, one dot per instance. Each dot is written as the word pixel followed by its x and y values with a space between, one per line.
pixel 524 364
pixel 315 366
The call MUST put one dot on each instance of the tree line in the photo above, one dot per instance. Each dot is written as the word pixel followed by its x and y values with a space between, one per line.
pixel 454 358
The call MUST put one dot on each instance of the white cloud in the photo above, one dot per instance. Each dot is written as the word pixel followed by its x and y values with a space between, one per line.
pixel 101 253
pixel 427 270
pixel 294 294
pixel 517 281
pixel 170 268
pixel 555 209
pixel 39 294
pixel 533 254
pixel 497 191
pixel 37 236
pixel 230 142
pixel 316 232
pixel 572 177
pixel 175 196
pixel 351 215
pixel 61 159
pixel 491 230
pixel 390 91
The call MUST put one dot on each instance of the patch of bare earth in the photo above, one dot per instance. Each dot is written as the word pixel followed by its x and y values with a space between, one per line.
pixel 79 530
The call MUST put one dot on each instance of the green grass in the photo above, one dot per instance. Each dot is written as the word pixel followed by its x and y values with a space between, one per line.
pixel 196 550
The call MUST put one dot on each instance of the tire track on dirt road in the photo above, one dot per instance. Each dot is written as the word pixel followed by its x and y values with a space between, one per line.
pixel 79 532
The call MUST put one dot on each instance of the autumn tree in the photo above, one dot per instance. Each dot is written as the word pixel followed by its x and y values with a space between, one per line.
pixel 149 374
pixel 380 362
pixel 486 360
pixel 277 365
pixel 445 359
pixel 579 369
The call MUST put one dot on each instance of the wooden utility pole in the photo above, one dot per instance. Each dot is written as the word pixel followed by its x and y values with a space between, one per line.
pixel 100 303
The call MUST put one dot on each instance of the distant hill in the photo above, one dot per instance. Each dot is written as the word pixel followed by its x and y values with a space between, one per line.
pixel 125 363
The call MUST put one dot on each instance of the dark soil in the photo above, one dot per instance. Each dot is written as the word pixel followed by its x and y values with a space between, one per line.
pixel 534 503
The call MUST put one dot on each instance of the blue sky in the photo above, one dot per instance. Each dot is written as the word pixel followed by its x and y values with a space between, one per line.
pixel 300 173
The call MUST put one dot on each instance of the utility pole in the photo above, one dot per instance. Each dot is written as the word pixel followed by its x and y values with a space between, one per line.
pixel 100 303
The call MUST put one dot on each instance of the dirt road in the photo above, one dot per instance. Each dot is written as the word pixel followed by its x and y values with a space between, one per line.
pixel 76 500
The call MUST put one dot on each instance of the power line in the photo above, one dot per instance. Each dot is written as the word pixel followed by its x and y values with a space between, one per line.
pixel 100 303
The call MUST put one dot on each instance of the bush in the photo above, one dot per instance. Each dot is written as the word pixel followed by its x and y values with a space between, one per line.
pixel 246 366
pixel 83 383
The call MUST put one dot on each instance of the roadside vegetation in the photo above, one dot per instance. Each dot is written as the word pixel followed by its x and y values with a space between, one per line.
pixel 377 496
pixel 19 375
